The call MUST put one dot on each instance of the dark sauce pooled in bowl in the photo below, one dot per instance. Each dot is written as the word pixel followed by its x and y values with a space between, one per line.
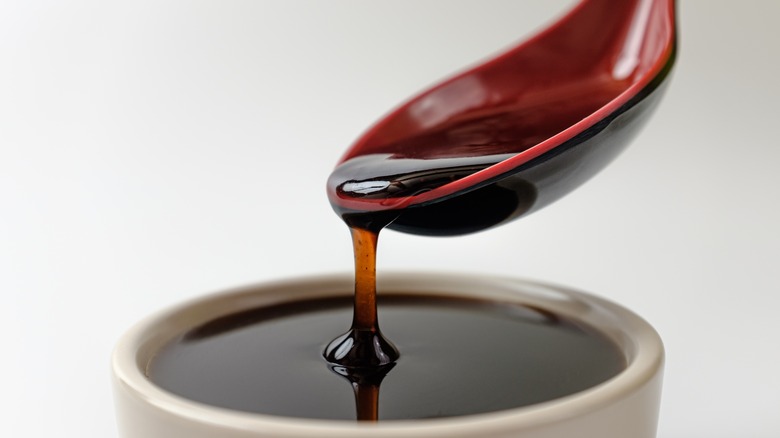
pixel 459 357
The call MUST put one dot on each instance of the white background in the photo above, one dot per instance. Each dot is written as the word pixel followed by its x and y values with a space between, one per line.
pixel 152 151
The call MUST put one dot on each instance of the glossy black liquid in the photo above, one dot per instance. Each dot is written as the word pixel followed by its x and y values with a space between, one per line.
pixel 460 356
pixel 363 346
pixel 397 172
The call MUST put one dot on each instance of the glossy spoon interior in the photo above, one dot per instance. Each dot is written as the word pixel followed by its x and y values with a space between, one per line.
pixel 517 132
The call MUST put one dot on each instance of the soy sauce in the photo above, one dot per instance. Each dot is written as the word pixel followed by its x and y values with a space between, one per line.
pixel 458 356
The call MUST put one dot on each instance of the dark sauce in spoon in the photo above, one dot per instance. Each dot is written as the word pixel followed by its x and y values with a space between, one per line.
pixel 388 174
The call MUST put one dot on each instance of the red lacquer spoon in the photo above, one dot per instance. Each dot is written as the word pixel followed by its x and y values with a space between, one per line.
pixel 517 132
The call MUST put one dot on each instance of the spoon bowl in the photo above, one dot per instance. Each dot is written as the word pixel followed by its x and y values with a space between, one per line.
pixel 518 131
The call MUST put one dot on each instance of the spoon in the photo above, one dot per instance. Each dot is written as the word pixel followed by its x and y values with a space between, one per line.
pixel 517 132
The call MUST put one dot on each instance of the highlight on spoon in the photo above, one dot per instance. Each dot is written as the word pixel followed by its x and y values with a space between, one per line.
pixel 518 131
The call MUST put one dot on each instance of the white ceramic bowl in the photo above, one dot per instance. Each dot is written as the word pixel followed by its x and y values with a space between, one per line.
pixel 625 406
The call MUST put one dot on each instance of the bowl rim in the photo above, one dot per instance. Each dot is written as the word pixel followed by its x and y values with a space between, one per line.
pixel 640 343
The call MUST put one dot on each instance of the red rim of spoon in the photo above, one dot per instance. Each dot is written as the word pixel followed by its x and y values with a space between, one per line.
pixel 664 33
